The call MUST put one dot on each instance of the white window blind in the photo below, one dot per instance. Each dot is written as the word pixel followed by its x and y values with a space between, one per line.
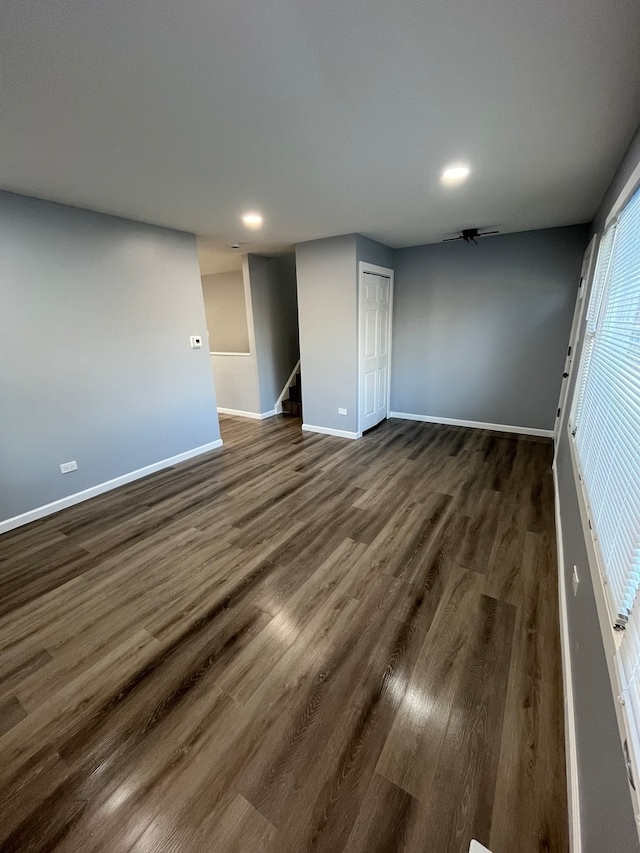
pixel 605 423
pixel 606 418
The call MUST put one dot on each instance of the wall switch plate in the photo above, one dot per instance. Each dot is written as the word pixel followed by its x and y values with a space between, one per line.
pixel 575 580
pixel 342 411
pixel 68 466
pixel 196 341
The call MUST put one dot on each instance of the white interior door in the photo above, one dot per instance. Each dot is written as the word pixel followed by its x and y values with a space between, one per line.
pixel 375 346
pixel 585 276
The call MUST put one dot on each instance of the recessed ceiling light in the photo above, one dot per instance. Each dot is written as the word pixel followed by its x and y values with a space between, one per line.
pixel 252 220
pixel 456 174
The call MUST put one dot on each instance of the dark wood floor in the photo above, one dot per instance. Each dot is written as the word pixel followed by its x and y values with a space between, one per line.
pixel 296 643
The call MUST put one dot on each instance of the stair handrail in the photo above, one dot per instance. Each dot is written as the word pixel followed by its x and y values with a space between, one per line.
pixel 288 384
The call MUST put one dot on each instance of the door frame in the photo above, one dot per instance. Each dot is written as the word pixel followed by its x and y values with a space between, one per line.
pixel 366 267
pixel 586 275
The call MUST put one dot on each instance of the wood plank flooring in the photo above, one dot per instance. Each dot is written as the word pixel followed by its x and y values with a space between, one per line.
pixel 296 643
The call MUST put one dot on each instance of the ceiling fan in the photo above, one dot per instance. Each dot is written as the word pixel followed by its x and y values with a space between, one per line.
pixel 469 235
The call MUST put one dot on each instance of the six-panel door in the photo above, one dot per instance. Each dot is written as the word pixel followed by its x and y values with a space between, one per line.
pixel 374 348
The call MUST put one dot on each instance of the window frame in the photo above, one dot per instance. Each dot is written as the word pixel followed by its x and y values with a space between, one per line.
pixel 612 638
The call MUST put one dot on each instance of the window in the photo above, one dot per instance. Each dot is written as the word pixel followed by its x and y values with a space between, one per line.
pixel 605 424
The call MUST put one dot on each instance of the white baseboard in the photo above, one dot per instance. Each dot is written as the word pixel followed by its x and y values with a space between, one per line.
pixel 573 790
pixel 257 416
pixel 94 491
pixel 341 433
pixel 431 419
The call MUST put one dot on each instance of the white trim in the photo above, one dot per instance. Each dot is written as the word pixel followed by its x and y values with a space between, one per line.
pixel 239 413
pixel 432 419
pixel 241 354
pixel 571 746
pixel 278 406
pixel 589 256
pixel 341 433
pixel 627 191
pixel 364 267
pixel 374 269
pixel 93 491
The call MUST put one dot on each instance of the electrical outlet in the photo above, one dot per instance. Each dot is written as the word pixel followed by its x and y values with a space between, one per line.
pixel 575 579
pixel 342 411
pixel 196 341
pixel 68 466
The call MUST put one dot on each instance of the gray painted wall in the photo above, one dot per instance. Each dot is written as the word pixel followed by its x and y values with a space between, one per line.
pixel 275 321
pixel 606 814
pixel 372 252
pixel 327 308
pixel 327 272
pixel 236 381
pixel 95 362
pixel 226 312
pixel 479 332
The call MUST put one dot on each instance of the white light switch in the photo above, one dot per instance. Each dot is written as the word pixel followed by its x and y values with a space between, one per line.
pixel 196 341
pixel 342 411
pixel 68 466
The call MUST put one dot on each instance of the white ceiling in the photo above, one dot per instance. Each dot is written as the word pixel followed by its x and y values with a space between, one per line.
pixel 216 255
pixel 328 116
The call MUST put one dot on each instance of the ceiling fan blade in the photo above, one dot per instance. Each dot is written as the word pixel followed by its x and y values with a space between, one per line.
pixel 487 233
pixel 452 239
